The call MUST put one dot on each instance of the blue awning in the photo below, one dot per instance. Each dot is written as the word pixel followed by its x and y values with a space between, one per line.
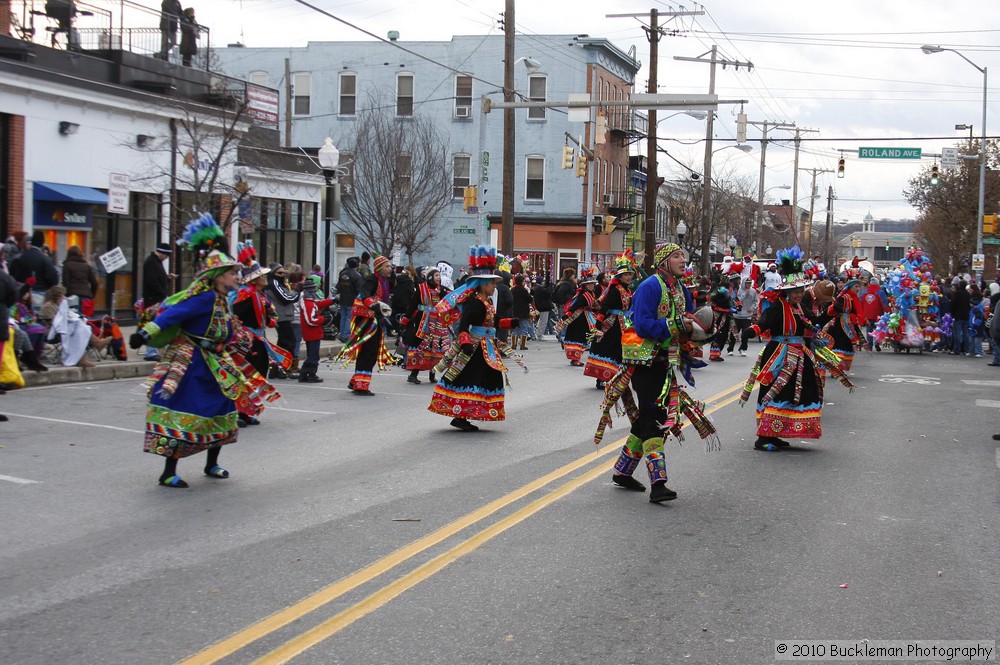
pixel 53 191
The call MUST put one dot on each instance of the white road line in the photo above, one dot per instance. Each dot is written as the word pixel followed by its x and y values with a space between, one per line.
pixel 25 481
pixel 74 422
pixel 971 382
pixel 378 393
pixel 282 408
pixel 991 403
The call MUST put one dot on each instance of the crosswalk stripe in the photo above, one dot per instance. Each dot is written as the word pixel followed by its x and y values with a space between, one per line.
pixel 973 382
pixel 991 403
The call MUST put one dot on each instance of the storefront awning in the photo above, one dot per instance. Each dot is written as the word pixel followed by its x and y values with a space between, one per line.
pixel 52 191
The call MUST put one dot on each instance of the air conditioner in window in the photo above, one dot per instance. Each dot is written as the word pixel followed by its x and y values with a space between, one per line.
pixel 608 199
pixel 463 111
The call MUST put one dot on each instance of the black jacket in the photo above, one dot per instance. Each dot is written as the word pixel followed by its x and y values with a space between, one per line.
pixel 563 293
pixel 348 286
pixel 8 296
pixel 543 297
pixel 521 302
pixel 33 263
pixel 155 285
pixel 961 305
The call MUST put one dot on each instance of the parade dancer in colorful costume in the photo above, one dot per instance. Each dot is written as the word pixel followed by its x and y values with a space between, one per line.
pixel 721 302
pixel 605 356
pixel 426 337
pixel 580 321
pixel 472 380
pixel 197 386
pixel 256 313
pixel 369 321
pixel 790 400
pixel 845 324
pixel 656 357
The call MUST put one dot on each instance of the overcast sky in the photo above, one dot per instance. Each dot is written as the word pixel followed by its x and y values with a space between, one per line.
pixel 851 69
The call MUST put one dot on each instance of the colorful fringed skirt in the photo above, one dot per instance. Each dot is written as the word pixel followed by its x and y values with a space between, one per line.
pixel 575 340
pixel 605 355
pixel 477 393
pixel 784 415
pixel 197 416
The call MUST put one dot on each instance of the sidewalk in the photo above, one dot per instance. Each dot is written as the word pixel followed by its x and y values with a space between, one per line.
pixel 111 368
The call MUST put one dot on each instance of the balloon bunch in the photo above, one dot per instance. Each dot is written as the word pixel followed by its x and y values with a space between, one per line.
pixel 946 324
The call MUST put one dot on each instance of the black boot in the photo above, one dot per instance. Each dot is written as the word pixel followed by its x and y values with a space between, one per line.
pixel 31 361
pixel 600 385
pixel 432 377
pixel 413 378
pixel 627 482
pixel 464 425
pixel 661 492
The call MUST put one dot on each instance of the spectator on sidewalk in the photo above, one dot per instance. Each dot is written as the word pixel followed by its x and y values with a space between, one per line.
pixel 155 288
pixel 80 279
pixel 348 287
pixel 33 264
pixel 961 305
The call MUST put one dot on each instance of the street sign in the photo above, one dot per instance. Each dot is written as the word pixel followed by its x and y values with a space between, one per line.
pixel 486 167
pixel 113 260
pixel 992 241
pixel 978 262
pixel 949 158
pixel 464 230
pixel 118 194
pixel 473 210
pixel 889 153
pixel 579 114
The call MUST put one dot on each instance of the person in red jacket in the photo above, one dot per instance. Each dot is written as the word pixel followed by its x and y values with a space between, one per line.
pixel 312 327
pixel 873 306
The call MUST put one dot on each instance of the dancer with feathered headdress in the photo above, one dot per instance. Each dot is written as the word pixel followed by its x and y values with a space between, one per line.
pixel 580 317
pixel 605 357
pixel 195 389
pixel 471 386
pixel 790 399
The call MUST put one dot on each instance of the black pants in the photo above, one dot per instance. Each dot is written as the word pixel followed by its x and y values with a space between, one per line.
pixel 286 336
pixel 743 328
pixel 648 383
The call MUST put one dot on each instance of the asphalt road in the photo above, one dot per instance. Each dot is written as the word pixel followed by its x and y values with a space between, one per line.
pixel 361 530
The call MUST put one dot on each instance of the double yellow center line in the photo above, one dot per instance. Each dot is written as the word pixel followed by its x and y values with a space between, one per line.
pixel 331 626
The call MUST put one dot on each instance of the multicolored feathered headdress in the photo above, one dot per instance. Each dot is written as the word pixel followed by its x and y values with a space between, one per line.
pixel 789 264
pixel 588 276
pixel 624 263
pixel 247 256
pixel 483 263
pixel 206 241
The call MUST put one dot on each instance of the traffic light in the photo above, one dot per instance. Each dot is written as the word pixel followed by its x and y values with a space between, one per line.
pixel 609 224
pixel 600 136
pixel 989 224
pixel 935 176
pixel 469 196
pixel 840 167
pixel 581 164
pixel 568 156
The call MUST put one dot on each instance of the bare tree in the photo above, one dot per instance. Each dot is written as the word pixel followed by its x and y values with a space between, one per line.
pixel 401 180
pixel 946 224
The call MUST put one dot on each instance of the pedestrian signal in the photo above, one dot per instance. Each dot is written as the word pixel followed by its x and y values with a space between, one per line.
pixel 568 154
pixel 840 167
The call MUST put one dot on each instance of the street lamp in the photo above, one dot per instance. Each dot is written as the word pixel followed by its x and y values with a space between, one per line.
pixel 329 159
pixel 694 113
pixel 681 230
pixel 732 244
pixel 742 147
pixel 962 127
pixel 928 49
pixel 768 250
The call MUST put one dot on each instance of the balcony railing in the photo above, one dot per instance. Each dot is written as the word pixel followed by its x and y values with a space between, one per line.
pixel 109 25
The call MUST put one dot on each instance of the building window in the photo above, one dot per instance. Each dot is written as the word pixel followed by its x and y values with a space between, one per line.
pixel 462 171
pixel 258 78
pixel 301 90
pixel 348 94
pixel 404 173
pixel 536 93
pixel 463 96
pixel 404 95
pixel 534 188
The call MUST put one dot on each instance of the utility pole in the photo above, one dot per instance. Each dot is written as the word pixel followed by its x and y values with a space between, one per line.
pixel 827 257
pixel 507 197
pixel 812 206
pixel 795 179
pixel 706 182
pixel 288 103
pixel 653 33
pixel 763 152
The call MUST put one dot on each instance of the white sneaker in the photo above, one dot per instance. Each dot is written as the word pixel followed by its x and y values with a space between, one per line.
pixel 743 353
pixel 979 355
pixel 730 353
